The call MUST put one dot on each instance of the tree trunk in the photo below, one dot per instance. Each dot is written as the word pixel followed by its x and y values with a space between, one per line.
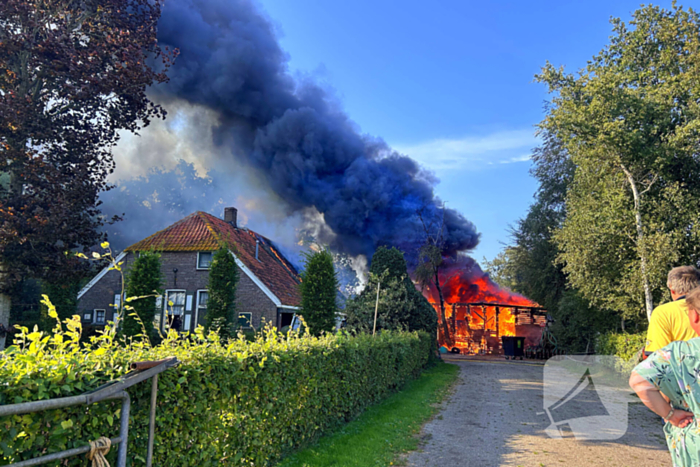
pixel 641 249
pixel 446 335
pixel 15 186
pixel 5 303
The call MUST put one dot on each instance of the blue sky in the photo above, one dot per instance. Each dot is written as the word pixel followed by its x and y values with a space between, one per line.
pixel 449 83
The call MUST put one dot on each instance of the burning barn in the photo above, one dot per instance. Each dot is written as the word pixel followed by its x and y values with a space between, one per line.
pixel 478 313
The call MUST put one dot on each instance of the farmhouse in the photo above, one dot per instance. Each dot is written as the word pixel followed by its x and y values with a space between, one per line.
pixel 267 288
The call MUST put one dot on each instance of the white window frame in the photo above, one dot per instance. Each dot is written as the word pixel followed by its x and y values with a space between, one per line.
pixel 212 257
pixel 197 307
pixel 90 314
pixel 250 320
pixel 165 306
pixel 94 316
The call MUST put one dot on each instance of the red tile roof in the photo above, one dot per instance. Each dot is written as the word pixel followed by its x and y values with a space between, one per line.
pixel 203 232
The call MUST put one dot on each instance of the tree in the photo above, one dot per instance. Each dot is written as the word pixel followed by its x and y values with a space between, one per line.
pixel 430 262
pixel 629 124
pixel 319 291
pixel 392 305
pixel 577 323
pixel 143 284
pixel 221 305
pixel 530 266
pixel 418 314
pixel 534 268
pixel 401 305
pixel 501 269
pixel 73 74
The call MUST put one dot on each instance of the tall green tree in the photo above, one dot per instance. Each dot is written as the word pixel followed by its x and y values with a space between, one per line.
pixel 221 306
pixel 73 75
pixel 419 314
pixel 533 267
pixel 530 266
pixel 144 279
pixel 630 124
pixel 319 292
pixel 401 305
pixel 388 296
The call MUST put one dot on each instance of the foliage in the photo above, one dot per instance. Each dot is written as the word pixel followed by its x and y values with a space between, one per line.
pixel 530 266
pixel 629 122
pixel 143 285
pixel 427 273
pixel 319 289
pixel 401 305
pixel 577 324
pixel 26 304
pixel 537 273
pixel 73 76
pixel 381 434
pixel 221 306
pixel 65 298
pixel 501 269
pixel 626 346
pixel 243 403
pixel 392 305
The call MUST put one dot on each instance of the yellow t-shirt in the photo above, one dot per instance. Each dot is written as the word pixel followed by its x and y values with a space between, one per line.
pixel 669 323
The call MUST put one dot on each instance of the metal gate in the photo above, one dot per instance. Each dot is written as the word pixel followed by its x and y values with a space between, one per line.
pixel 114 390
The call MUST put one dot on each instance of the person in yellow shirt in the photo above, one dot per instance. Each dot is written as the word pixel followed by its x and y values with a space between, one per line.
pixel 669 322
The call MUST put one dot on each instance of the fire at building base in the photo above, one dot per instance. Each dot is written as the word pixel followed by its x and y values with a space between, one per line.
pixel 479 314
pixel 479 328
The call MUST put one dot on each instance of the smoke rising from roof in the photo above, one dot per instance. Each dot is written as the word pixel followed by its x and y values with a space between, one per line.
pixel 290 134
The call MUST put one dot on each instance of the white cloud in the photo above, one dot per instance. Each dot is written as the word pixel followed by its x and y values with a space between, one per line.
pixel 472 152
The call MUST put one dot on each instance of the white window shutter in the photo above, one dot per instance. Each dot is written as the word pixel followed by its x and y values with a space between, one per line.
pixel 188 306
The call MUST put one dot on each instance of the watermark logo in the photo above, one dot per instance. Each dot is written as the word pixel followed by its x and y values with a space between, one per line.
pixel 586 396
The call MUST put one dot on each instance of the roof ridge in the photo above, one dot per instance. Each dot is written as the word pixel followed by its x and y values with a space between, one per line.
pixel 207 222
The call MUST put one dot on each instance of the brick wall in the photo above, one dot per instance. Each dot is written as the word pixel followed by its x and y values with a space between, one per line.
pixel 101 295
pixel 249 297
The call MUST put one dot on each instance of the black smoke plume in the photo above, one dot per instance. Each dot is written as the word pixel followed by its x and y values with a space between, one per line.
pixel 293 135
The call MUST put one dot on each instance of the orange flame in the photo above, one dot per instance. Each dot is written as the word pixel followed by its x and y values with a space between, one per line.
pixel 478 329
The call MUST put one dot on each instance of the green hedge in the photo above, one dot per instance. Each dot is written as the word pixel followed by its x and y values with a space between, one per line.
pixel 243 403
pixel 623 345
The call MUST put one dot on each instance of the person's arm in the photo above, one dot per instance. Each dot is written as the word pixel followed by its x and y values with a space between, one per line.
pixel 657 403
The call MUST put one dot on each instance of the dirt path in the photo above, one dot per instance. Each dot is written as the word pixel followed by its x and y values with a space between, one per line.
pixel 495 418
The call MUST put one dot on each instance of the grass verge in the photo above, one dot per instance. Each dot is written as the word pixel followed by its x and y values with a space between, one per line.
pixel 383 431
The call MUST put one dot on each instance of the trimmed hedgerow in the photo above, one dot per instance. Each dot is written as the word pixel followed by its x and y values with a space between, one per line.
pixel 239 403
pixel 626 346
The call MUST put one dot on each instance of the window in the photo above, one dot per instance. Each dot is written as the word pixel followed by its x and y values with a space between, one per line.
pixel 87 316
pixel 202 299
pixel 174 309
pixel 204 259
pixel 100 316
pixel 245 320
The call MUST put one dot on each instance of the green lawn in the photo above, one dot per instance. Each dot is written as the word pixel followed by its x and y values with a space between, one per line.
pixel 384 431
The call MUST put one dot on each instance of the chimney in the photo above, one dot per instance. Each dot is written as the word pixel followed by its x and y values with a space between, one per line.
pixel 231 216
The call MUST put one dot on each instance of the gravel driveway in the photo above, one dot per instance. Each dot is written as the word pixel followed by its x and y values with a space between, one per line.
pixel 495 418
